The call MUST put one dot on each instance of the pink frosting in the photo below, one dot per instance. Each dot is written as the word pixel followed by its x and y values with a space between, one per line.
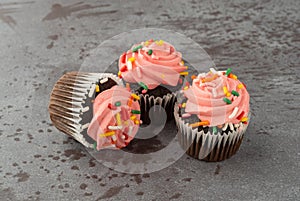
pixel 103 117
pixel 161 67
pixel 205 99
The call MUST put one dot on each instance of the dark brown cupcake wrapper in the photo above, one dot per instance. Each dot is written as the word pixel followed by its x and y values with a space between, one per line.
pixel 166 102
pixel 208 146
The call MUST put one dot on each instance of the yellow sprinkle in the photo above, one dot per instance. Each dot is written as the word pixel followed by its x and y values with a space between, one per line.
pixel 183 105
pixel 135 96
pixel 244 119
pixel 182 62
pixel 185 88
pixel 233 76
pixel 186 67
pixel 119 73
pixel 184 73
pixel 160 42
pixel 118 117
pixel 97 88
pixel 228 94
pixel 131 59
pixel 110 133
pixel 133 117
pixel 162 75
pixel 240 86
pixel 137 122
pixel 146 43
pixel 225 90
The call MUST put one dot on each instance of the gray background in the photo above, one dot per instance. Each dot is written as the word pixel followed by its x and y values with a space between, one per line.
pixel 40 41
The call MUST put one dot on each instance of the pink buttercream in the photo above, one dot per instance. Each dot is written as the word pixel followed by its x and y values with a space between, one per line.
pixel 205 99
pixel 161 67
pixel 103 117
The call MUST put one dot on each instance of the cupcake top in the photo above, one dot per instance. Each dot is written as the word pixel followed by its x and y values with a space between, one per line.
pixel 152 63
pixel 116 118
pixel 217 98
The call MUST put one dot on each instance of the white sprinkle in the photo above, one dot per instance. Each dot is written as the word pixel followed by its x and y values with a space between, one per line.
pixel 109 146
pixel 138 71
pixel 231 126
pixel 214 92
pixel 234 112
pixel 114 138
pixel 103 80
pixel 225 127
pixel 129 65
pixel 133 54
pixel 92 90
pixel 85 109
pixel 115 127
pixel 185 115
pixel 123 137
pixel 213 71
pixel 85 126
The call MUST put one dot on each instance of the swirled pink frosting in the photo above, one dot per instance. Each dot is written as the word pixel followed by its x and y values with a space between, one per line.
pixel 104 118
pixel 205 99
pixel 161 65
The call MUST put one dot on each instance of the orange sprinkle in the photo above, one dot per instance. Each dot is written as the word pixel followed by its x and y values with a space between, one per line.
pixel 193 77
pixel 200 123
pixel 129 103
pixel 209 79
pixel 233 76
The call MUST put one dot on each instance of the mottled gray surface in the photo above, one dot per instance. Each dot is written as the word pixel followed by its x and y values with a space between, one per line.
pixel 259 39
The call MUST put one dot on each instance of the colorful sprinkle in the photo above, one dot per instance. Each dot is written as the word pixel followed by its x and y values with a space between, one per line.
pixel 225 90
pixel 119 74
pixel 129 103
pixel 186 87
pixel 240 115
pixel 123 68
pixel 226 100
pixel 95 145
pixel 115 127
pixel 136 97
pixel 235 93
pixel 97 89
pixel 181 63
pixel 110 106
pixel 133 117
pixel 129 65
pixel 142 84
pixel 118 103
pixel 160 42
pixel 183 105
pixel 118 117
pixel 200 123
pixel 131 59
pixel 232 76
pixel 149 52
pixel 184 73
pixel 137 122
pixel 193 77
pixel 244 119
pixel 135 112
pixel 234 112
pixel 135 49
pixel 240 86
pixel 228 71
pixel 144 91
pixel 185 115
pixel 128 86
pixel 146 43
pixel 110 133
pixel 103 80
pixel 162 76
pixel 215 130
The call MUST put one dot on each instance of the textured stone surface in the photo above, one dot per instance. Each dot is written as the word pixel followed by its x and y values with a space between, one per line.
pixel 42 39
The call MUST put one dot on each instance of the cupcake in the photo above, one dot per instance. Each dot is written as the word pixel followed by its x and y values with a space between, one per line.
pixel 116 118
pixel 154 71
pixel 212 116
pixel 71 102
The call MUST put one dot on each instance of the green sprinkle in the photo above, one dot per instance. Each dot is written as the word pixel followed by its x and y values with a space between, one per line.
pixel 226 100
pixel 95 145
pixel 235 93
pixel 149 52
pixel 135 49
pixel 215 130
pixel 135 112
pixel 228 71
pixel 118 103
pixel 142 84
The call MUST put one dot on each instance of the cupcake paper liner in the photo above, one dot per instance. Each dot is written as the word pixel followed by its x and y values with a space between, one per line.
pixel 166 102
pixel 68 102
pixel 208 146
